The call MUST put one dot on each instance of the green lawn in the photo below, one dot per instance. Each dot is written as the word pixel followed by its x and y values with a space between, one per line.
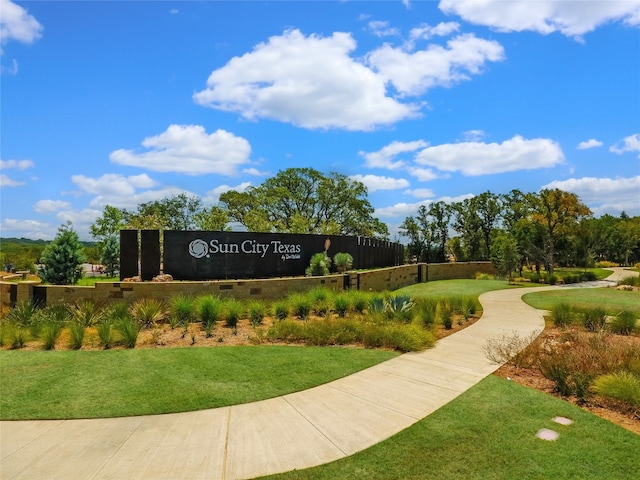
pixel 489 433
pixel 600 273
pixel 443 288
pixel 610 299
pixel 77 384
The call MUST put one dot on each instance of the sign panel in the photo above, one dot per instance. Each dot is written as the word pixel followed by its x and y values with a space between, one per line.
pixel 202 255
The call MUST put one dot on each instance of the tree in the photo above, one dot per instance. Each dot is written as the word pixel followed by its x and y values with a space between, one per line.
pixel 111 254
pixel 212 219
pixel 467 223
pixel 172 213
pixel 489 210
pixel 428 232
pixel 110 223
pixel 558 212
pixel 63 258
pixel 303 200
pixel 505 255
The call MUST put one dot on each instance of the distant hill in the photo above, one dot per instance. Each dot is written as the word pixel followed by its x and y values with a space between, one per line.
pixel 27 242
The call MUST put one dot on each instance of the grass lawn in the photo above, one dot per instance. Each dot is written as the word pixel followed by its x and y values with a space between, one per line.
pixel 91 281
pixel 613 301
pixel 77 384
pixel 600 273
pixel 444 288
pixel 489 433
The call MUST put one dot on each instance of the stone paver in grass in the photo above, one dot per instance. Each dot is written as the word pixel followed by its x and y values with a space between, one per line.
pixel 563 420
pixel 547 434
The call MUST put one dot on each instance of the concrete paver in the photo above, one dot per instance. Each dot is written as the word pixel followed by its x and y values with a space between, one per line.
pixel 295 431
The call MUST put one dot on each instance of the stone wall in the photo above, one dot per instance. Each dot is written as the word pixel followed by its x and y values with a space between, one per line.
pixel 390 278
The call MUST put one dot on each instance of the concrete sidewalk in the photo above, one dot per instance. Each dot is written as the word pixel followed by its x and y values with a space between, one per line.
pixel 295 431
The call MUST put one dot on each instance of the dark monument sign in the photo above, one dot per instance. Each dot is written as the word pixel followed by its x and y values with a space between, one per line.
pixel 205 255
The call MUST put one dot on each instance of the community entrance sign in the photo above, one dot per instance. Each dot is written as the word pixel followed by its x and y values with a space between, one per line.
pixel 204 255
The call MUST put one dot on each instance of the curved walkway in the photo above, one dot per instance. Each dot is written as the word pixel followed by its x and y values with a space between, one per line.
pixel 295 431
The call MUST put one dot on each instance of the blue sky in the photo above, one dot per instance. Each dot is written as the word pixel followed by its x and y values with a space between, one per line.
pixel 120 103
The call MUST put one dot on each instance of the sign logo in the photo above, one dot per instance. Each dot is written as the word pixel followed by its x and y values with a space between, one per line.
pixel 199 249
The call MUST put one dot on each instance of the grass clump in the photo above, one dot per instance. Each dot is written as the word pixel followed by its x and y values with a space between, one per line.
pixel 562 315
pixel 301 305
pixel 209 309
pixel 233 312
pixel 50 333
pixel 623 386
pixel 281 309
pixel 256 310
pixel 147 312
pixel 624 323
pixel 594 319
pixel 77 332
pixel 182 309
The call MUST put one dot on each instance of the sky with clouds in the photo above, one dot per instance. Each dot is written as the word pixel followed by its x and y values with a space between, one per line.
pixel 121 103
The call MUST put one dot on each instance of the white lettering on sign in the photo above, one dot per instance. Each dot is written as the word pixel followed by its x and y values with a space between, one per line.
pixel 288 251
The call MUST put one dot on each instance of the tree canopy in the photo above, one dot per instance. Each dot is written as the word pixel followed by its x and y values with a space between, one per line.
pixel 303 200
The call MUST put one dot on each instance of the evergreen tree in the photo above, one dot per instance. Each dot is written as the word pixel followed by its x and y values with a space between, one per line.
pixel 63 258
pixel 111 254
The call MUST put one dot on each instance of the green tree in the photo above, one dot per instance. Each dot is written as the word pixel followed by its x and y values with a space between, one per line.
pixel 428 232
pixel 303 200
pixel 172 213
pixel 63 258
pixel 558 213
pixel 466 223
pixel 505 255
pixel 111 254
pixel 110 223
pixel 212 219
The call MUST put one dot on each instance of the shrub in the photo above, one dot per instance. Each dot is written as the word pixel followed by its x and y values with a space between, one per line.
pixel 50 333
pixel 281 309
pixel 605 264
pixel 182 309
pixel 23 314
pixel 555 368
pixel 359 300
pixel 85 313
pixel 624 323
pixel 257 311
pixel 319 265
pixel 587 276
pixel 445 314
pixel 129 330
pixel 622 385
pixel 343 261
pixel 426 311
pixel 17 336
pixel 319 294
pixel 147 312
pixel 301 305
pixel 76 335
pixel 105 330
pixel 209 308
pixel 376 304
pixel 551 279
pixel 510 347
pixel 594 319
pixel 233 313
pixel 562 315
pixel 469 306
pixel 341 304
pixel 632 281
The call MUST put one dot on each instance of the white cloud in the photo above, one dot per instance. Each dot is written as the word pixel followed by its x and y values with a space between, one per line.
pixel 50 206
pixel 5 181
pixel 113 184
pixel 413 73
pixel 401 210
pixel 190 150
pixel 385 157
pixel 627 144
pixel 12 227
pixel 475 158
pixel 254 171
pixel 473 135
pixel 132 202
pixel 213 196
pixel 591 143
pixel 426 31
pixel 423 174
pixel 17 24
pixel 571 18
pixel 309 81
pixel 420 192
pixel 604 195
pixel 16 164
pixel 382 29
pixel 375 183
